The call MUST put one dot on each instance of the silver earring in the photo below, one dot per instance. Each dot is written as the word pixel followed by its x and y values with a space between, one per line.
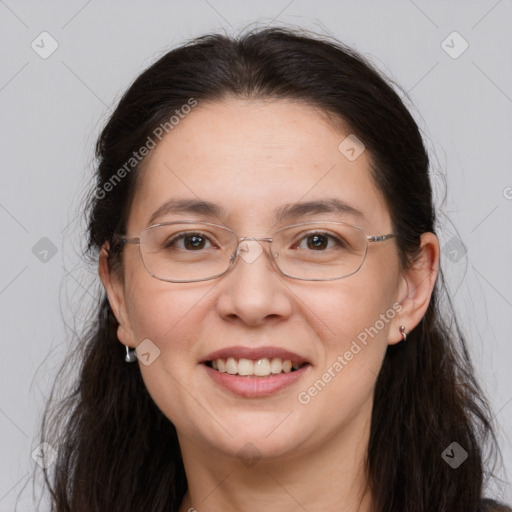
pixel 130 356
pixel 402 332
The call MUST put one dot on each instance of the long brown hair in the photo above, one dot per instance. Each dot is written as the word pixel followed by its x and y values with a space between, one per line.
pixel 116 449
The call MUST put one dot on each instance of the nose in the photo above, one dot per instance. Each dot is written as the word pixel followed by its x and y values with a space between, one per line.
pixel 253 290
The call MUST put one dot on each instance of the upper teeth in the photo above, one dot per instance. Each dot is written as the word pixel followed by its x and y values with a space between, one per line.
pixel 260 367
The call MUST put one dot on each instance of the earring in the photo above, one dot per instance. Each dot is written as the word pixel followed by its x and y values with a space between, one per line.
pixel 402 332
pixel 130 356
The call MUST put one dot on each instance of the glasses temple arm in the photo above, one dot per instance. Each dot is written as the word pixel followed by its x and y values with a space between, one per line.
pixel 380 238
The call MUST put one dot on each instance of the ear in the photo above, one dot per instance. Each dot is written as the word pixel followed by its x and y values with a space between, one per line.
pixel 416 287
pixel 114 287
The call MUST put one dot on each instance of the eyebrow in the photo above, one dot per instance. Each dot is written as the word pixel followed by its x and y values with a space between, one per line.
pixel 283 213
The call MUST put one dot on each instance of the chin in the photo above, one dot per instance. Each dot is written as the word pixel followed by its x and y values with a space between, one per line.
pixel 268 437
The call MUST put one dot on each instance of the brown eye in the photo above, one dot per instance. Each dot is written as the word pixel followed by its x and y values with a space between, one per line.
pixel 320 241
pixel 191 241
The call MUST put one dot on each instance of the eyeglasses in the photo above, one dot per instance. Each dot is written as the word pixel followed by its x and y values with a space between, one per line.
pixel 188 251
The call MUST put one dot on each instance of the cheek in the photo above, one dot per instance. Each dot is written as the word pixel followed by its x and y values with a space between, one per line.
pixel 164 312
pixel 359 307
pixel 352 323
pixel 169 315
pixel 158 309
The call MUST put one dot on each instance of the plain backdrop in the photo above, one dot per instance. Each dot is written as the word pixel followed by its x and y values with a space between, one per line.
pixel 65 64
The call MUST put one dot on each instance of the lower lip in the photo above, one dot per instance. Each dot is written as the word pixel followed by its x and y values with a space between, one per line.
pixel 251 387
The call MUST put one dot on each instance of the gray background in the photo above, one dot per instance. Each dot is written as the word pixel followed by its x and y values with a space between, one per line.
pixel 52 110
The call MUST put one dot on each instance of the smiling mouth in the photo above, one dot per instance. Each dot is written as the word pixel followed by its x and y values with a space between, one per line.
pixel 264 367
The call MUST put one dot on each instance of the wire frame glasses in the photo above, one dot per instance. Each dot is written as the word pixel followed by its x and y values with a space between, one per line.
pixel 188 251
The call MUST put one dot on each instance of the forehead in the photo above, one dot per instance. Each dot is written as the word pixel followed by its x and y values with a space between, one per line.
pixel 251 158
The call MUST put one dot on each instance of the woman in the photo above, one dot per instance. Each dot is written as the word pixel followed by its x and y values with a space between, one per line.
pixel 271 333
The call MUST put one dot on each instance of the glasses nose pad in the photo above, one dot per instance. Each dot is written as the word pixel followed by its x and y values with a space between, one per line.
pixel 249 250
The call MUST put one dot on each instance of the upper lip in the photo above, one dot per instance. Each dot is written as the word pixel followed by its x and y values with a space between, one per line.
pixel 255 354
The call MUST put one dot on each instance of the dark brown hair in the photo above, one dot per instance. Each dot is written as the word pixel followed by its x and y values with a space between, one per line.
pixel 116 449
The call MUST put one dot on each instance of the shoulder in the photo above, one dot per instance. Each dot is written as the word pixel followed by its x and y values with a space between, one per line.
pixel 489 505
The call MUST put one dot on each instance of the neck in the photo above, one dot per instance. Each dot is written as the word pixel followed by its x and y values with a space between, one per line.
pixel 330 476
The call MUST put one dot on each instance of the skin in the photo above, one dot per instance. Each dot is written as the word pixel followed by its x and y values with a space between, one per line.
pixel 251 157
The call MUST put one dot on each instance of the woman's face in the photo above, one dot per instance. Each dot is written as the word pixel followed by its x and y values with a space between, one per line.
pixel 251 158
